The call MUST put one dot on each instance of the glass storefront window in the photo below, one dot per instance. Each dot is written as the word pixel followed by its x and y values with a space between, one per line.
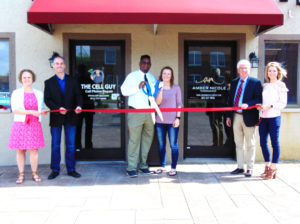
pixel 288 55
pixel 99 68
pixel 209 69
pixel 4 73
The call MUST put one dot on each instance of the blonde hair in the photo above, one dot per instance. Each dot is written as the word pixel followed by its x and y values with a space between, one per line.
pixel 281 71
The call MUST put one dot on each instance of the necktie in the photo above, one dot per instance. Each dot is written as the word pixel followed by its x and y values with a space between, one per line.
pixel 146 80
pixel 238 94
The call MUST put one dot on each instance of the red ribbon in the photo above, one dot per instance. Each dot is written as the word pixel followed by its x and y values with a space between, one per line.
pixel 3 107
pixel 187 109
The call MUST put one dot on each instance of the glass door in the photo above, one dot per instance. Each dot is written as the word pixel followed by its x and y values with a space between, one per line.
pixel 209 69
pixel 99 67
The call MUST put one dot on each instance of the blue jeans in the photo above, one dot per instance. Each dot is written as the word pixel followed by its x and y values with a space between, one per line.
pixel 161 130
pixel 70 132
pixel 270 126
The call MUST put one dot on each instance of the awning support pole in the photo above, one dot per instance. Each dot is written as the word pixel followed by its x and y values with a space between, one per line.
pixel 155 29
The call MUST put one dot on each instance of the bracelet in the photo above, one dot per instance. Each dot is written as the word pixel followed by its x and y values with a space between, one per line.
pixel 178 118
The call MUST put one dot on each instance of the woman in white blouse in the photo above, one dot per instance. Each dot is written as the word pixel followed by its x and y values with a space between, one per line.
pixel 274 100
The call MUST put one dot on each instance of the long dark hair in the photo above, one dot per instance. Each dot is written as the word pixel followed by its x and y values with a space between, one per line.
pixel 172 75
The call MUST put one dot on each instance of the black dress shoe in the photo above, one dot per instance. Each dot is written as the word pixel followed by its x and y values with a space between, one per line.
pixel 237 171
pixel 53 175
pixel 248 173
pixel 74 174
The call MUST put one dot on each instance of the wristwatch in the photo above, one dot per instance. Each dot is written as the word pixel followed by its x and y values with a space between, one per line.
pixel 178 118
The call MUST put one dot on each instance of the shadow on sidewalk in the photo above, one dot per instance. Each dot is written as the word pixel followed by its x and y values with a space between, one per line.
pixel 115 174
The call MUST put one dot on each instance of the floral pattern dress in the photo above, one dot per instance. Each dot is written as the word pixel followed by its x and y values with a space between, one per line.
pixel 28 134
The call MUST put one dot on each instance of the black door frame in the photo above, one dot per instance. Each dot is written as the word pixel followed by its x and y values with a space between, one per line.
pixel 205 151
pixel 102 153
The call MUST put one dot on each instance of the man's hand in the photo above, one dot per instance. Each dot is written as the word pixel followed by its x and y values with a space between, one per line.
pixel 43 112
pixel 78 110
pixel 64 110
pixel 142 83
pixel 244 106
pixel 228 122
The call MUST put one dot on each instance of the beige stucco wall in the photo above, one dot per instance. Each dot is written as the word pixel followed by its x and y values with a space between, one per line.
pixel 289 132
pixel 34 47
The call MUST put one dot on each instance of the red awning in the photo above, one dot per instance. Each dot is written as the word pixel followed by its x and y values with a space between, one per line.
pixel 263 13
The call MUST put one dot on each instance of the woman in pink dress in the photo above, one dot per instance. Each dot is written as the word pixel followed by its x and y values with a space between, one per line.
pixel 26 132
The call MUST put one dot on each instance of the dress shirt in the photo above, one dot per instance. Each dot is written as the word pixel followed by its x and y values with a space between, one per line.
pixel 61 83
pixel 136 97
pixel 274 94
pixel 243 90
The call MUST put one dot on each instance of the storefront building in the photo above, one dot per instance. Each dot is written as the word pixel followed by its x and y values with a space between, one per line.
pixel 102 42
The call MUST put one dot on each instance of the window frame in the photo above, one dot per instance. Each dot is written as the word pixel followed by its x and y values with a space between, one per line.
pixel 11 38
pixel 106 56
pixel 284 38
pixel 194 53
pixel 219 55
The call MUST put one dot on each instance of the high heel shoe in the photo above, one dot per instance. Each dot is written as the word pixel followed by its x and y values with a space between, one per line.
pixel 272 174
pixel 265 172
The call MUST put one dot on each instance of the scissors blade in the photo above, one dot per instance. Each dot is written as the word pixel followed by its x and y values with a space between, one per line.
pixel 154 105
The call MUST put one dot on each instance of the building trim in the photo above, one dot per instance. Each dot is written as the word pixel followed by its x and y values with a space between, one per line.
pixel 92 36
pixel 11 37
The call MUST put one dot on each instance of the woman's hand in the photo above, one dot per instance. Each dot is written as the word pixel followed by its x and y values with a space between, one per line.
pixel 258 106
pixel 176 123
pixel 35 113
pixel 161 85
pixel 266 107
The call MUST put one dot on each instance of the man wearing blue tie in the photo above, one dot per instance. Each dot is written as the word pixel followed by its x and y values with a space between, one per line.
pixel 137 85
pixel 245 91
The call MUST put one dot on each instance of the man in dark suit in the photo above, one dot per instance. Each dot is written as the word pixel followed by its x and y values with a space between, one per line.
pixel 61 93
pixel 245 91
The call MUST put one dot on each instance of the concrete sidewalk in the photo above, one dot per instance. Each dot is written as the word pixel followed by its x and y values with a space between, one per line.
pixel 202 192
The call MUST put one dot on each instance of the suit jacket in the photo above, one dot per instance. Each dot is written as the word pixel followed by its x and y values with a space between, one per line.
pixel 54 99
pixel 252 96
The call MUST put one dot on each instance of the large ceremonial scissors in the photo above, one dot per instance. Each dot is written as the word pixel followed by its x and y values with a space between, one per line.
pixel 151 99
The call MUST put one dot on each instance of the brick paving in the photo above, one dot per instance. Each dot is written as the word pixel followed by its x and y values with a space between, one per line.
pixel 202 192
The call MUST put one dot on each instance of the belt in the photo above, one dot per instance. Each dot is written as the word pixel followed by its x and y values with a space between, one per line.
pixel 238 112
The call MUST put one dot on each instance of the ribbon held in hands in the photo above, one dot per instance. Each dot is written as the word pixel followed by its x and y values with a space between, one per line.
pixel 152 110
